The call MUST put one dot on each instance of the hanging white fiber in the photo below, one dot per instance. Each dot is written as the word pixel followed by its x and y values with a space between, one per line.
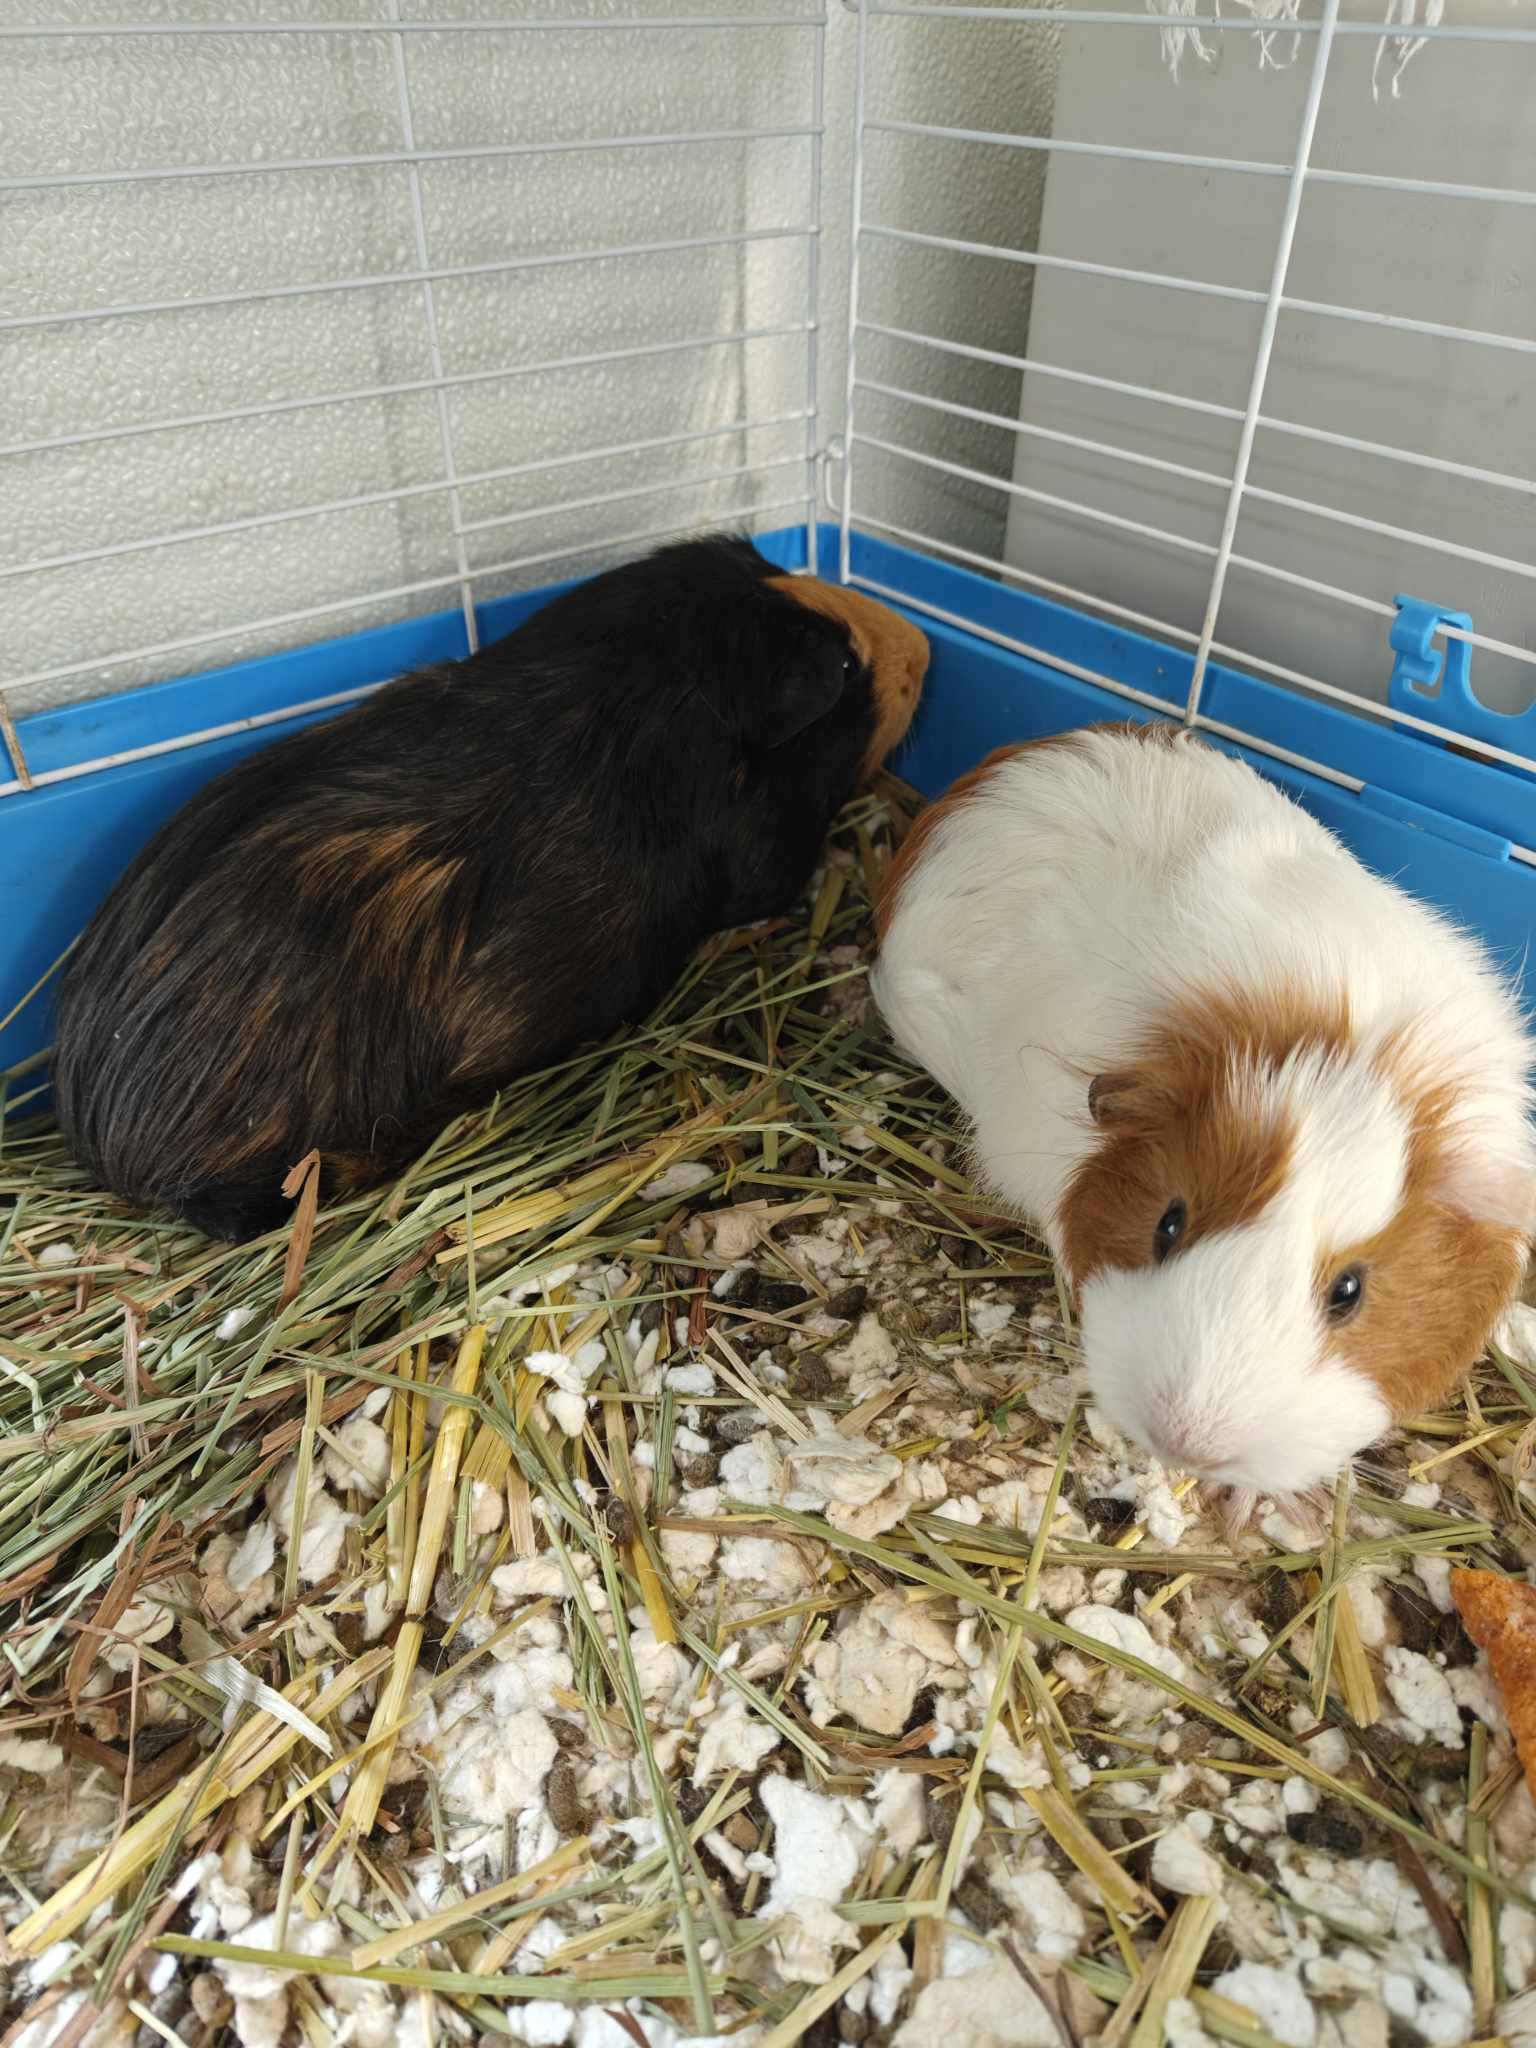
pixel 1264 14
pixel 1269 18
pixel 1173 40
pixel 1404 48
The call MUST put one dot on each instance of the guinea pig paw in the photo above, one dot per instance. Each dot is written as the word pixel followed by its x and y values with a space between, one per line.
pixel 1238 1509
pixel 1235 1506
pixel 1308 1512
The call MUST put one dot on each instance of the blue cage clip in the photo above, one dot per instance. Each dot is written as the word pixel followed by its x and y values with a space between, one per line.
pixel 1438 687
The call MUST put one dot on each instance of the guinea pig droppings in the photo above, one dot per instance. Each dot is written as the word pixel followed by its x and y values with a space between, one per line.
pixel 1271 1114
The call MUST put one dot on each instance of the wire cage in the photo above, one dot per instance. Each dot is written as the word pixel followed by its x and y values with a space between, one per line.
pixel 1161 364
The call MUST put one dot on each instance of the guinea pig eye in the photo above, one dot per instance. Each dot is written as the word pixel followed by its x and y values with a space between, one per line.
pixel 850 665
pixel 1346 1294
pixel 1170 1228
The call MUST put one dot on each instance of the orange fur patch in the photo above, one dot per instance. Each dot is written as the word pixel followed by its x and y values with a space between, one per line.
pixel 343 857
pixel 891 647
pixel 1177 1128
pixel 398 886
pixel 408 897
pixel 1437 1281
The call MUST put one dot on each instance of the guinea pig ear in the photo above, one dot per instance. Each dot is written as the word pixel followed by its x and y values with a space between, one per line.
pixel 801 692
pixel 1112 1097
pixel 1486 1187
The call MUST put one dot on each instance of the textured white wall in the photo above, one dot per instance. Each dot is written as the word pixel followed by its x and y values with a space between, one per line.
pixel 1464 114
pixel 116 104
pixel 978 75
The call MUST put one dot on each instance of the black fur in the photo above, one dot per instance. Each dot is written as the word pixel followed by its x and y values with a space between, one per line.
pixel 375 922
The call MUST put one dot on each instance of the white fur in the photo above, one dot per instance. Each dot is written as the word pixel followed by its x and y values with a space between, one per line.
pixel 1055 918
pixel 1195 1360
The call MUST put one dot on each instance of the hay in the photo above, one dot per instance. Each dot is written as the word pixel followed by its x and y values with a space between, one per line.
pixel 649 1575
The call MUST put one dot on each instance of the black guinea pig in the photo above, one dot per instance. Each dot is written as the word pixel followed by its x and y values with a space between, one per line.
pixel 370 926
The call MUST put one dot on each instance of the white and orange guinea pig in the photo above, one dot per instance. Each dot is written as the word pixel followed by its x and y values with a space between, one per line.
pixel 1272 1115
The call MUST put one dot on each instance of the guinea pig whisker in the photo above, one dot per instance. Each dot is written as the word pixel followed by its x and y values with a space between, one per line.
pixel 1379 1475
pixel 1036 1152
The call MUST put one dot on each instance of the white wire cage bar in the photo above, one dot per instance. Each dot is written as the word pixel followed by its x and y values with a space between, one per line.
pixel 1108 17
pixel 1166 628
pixel 468 25
pixel 1510 564
pixel 451 485
pixel 1050 17
pixel 270 408
pixel 1258 567
pixel 799 504
pixel 501 267
pixel 768 441
pixel 430 322
pixel 1228 487
pixel 1523 344
pixel 1424 187
pixel 861 507
pixel 1414 457
pixel 482 152
pixel 1147 699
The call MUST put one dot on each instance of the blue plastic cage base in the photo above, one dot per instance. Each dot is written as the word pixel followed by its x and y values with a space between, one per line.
pixel 1438 823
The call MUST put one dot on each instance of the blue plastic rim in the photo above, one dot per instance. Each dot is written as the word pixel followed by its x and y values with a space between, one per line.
pixel 1434 821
